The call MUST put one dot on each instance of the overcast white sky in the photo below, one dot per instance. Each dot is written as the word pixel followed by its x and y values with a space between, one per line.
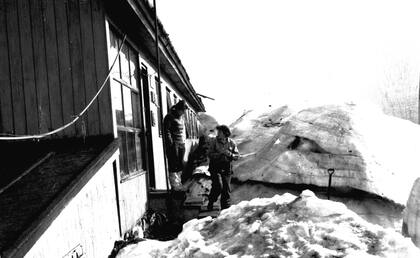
pixel 248 53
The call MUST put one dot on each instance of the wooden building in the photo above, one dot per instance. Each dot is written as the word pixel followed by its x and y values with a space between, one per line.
pixel 77 191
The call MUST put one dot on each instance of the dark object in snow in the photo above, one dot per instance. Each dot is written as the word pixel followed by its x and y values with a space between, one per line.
pixel 153 223
pixel 120 244
pixel 330 173
pixel 157 226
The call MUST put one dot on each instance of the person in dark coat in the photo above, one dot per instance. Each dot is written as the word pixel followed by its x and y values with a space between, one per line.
pixel 198 157
pixel 174 133
pixel 222 151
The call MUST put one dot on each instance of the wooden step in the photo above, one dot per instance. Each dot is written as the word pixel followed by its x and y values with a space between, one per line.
pixel 194 201
pixel 216 205
pixel 212 213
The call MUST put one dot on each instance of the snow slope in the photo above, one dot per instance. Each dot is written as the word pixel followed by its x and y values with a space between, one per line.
pixel 369 151
pixel 411 226
pixel 281 226
pixel 207 124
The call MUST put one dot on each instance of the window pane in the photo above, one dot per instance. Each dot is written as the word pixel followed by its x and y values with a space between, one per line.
pixel 131 147
pixel 168 100
pixel 134 69
pixel 124 58
pixel 113 51
pixel 136 109
pixel 117 101
pixel 128 109
pixel 123 153
pixel 139 154
pixel 187 124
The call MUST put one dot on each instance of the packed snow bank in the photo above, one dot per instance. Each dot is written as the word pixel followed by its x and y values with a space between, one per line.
pixel 369 151
pixel 207 124
pixel 281 226
pixel 411 226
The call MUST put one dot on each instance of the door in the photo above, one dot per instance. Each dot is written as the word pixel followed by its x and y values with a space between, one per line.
pixel 148 127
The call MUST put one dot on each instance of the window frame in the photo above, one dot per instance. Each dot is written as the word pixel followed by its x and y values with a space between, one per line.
pixel 130 166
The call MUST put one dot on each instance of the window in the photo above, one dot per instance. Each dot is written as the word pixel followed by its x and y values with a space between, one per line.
pixel 191 124
pixel 126 99
pixel 159 105
pixel 168 100
pixel 175 99
pixel 194 126
pixel 197 126
pixel 186 125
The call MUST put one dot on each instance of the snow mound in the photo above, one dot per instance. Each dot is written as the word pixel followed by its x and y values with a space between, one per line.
pixel 369 151
pixel 207 124
pixel 281 226
pixel 411 225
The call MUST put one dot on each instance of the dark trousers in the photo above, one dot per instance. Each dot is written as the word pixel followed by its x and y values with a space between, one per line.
pixel 220 184
pixel 175 155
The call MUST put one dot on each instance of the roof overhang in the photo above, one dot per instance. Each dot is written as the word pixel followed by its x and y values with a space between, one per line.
pixel 144 31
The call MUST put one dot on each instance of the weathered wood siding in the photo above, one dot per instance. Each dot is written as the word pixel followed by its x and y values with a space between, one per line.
pixel 53 58
pixel 132 200
pixel 90 220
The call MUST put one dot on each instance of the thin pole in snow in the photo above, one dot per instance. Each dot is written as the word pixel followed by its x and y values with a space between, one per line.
pixel 330 174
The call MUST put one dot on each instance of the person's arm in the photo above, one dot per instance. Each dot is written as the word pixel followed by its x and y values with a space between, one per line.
pixel 234 152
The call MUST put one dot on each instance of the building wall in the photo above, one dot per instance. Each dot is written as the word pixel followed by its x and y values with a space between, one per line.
pixel 90 220
pixel 132 200
pixel 52 62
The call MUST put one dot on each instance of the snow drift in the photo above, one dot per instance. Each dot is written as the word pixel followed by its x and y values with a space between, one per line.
pixel 411 225
pixel 281 226
pixel 207 124
pixel 369 151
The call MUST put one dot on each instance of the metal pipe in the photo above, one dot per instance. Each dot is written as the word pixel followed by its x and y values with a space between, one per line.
pixel 330 174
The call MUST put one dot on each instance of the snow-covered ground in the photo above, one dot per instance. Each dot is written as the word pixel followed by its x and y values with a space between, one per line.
pixel 281 226
pixel 371 208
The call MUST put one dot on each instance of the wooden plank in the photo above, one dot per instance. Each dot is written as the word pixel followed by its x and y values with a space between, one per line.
pixel 28 67
pixel 73 21
pixel 101 60
pixel 213 214
pixel 194 201
pixel 41 76
pixel 6 111
pixel 64 65
pixel 216 206
pixel 52 65
pixel 89 65
pixel 15 62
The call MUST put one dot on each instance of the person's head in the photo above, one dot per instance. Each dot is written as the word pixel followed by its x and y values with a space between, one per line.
pixel 223 131
pixel 180 107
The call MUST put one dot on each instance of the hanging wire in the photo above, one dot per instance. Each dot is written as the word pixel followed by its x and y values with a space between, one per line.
pixel 39 136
